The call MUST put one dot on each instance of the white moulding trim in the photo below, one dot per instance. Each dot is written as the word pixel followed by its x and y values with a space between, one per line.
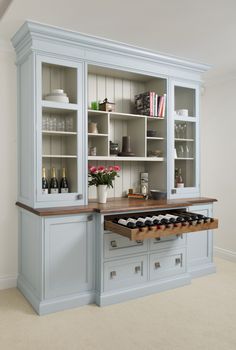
pixel 8 281
pixel 225 254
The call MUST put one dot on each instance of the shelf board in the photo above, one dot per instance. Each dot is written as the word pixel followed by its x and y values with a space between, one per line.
pixel 185 119
pixel 97 135
pixel 188 140
pixel 155 118
pixel 122 116
pixel 59 133
pixel 96 112
pixel 125 116
pixel 58 107
pixel 155 138
pixel 58 156
pixel 184 158
pixel 127 159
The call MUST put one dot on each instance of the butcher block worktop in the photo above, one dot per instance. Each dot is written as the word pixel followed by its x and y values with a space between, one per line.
pixel 118 205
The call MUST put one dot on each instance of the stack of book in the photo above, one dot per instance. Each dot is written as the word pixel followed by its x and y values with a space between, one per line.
pixel 151 104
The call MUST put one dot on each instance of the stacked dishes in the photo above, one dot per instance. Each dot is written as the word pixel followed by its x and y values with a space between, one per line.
pixel 57 95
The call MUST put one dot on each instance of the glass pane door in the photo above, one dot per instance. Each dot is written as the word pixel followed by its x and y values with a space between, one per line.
pixel 185 162
pixel 60 118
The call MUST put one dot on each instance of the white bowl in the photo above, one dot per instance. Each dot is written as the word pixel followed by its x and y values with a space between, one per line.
pixel 57 91
pixel 182 112
pixel 57 98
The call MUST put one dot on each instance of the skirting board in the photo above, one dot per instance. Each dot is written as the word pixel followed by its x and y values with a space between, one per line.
pixel 118 296
pixel 225 254
pixel 8 281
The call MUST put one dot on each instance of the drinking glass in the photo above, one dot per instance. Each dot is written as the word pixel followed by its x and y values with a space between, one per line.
pixel 177 130
pixel 180 151
pixel 69 123
pixel 60 124
pixel 45 123
pixel 187 151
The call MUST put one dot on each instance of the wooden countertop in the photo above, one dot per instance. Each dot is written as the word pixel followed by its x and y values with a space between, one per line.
pixel 118 205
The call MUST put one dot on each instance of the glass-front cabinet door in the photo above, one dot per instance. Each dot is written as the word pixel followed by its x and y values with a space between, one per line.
pixel 184 140
pixel 60 132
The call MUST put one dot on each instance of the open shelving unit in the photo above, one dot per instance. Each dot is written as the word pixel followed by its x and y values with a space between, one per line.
pixel 120 87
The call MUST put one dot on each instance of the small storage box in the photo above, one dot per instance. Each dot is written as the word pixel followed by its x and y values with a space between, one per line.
pixel 107 106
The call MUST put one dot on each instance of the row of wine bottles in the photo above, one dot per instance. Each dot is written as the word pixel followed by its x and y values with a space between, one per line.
pixel 166 219
pixel 52 186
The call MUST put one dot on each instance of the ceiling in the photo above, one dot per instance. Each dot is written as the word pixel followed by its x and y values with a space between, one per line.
pixel 203 30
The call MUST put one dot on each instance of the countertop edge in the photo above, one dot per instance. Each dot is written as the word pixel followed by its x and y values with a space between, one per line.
pixel 121 205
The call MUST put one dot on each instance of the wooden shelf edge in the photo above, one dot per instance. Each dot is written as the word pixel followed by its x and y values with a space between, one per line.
pixel 145 233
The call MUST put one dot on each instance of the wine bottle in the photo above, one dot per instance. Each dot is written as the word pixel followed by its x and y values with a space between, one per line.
pixel 174 218
pixel 190 218
pixel 179 179
pixel 130 223
pixel 148 221
pixel 140 222
pixel 64 187
pixel 202 218
pixel 44 182
pixel 54 183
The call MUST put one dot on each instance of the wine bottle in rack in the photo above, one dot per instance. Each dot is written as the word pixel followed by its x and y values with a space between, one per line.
pixel 64 187
pixel 128 222
pixel 54 188
pixel 44 182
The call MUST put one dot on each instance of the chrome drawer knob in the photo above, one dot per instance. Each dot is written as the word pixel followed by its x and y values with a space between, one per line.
pixel 137 269
pixel 113 244
pixel 157 265
pixel 113 274
pixel 158 238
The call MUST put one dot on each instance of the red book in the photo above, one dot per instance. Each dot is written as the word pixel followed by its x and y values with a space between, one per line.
pixel 160 106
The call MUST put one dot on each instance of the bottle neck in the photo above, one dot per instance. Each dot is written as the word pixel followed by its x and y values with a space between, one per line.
pixel 53 172
pixel 44 173
pixel 63 172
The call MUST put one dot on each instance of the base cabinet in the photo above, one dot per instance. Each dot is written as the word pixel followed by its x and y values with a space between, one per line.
pixel 69 255
pixel 200 247
pixel 57 259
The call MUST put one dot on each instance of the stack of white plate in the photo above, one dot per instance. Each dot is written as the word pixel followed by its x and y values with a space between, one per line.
pixel 57 95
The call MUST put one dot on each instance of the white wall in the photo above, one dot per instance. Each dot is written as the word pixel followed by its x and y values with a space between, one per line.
pixel 8 168
pixel 218 152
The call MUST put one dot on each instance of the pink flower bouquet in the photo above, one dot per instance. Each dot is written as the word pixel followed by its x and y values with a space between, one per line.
pixel 102 175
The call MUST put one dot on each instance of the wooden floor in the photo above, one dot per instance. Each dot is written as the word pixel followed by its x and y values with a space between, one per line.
pixel 199 316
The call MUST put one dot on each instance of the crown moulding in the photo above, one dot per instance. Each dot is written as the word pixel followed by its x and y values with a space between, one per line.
pixel 31 31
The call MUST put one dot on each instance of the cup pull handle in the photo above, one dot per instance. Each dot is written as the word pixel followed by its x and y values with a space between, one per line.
pixel 113 244
pixel 157 265
pixel 137 269
pixel 113 274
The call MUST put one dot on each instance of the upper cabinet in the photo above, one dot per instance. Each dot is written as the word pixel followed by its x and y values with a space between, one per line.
pixel 152 126
pixel 184 139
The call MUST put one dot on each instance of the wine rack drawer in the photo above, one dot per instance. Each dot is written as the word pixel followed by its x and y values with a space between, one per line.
pixel 117 245
pixel 157 231
pixel 170 242
pixel 125 273
pixel 164 265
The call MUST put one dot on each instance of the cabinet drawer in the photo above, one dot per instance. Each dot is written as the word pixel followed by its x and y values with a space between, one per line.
pixel 169 242
pixel 163 265
pixel 116 245
pixel 125 273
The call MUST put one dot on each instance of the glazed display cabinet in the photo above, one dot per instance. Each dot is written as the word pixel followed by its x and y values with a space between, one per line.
pixel 73 251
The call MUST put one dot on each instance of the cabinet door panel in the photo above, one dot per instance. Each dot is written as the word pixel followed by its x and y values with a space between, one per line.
pixel 200 243
pixel 69 255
